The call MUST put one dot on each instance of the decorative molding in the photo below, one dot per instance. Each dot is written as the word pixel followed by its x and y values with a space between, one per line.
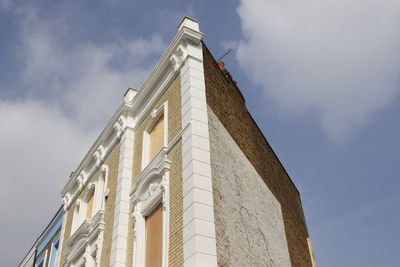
pixel 179 56
pixel 86 241
pixel 119 126
pixel 78 182
pixel 151 189
pixel 134 108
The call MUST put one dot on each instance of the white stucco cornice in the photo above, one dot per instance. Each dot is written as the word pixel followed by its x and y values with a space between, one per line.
pixel 135 105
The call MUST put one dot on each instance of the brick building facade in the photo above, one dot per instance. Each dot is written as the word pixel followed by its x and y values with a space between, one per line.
pixel 182 176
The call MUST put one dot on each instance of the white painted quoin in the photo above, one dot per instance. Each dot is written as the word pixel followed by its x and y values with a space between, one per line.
pixel 199 243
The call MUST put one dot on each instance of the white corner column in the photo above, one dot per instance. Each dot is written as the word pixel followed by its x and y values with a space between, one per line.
pixel 121 211
pixel 199 242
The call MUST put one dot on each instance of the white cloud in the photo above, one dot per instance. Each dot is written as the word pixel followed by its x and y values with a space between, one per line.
pixel 67 93
pixel 338 59
pixel 39 147
pixel 87 80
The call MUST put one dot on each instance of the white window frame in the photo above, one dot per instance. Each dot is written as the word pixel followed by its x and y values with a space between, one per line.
pixel 76 216
pixel 151 189
pixel 52 247
pixel 156 115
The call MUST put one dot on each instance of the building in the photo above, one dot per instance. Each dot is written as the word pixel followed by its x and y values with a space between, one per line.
pixel 46 250
pixel 182 176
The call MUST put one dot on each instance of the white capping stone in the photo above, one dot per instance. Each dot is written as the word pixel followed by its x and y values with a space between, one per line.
pixel 190 23
pixel 130 94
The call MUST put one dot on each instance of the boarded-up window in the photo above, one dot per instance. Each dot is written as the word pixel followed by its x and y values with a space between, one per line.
pixel 89 205
pixel 156 138
pixel 154 238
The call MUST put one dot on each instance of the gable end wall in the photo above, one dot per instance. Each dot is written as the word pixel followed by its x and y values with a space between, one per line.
pixel 226 101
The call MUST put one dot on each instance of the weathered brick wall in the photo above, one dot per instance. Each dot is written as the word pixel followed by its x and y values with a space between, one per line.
pixel 248 218
pixel 112 162
pixel 173 95
pixel 225 100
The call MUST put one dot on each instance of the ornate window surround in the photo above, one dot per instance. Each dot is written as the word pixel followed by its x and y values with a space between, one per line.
pixel 85 245
pixel 85 242
pixel 151 189
pixel 156 114
pixel 100 191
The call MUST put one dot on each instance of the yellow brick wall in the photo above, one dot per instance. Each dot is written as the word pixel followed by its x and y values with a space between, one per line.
pixel 176 207
pixel 173 95
pixel 112 162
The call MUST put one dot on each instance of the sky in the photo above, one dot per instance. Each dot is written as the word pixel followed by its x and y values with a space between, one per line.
pixel 321 78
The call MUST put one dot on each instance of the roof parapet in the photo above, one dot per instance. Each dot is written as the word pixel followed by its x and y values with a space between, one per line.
pixel 190 23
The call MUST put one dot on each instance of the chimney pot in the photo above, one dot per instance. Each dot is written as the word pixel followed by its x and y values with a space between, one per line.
pixel 221 65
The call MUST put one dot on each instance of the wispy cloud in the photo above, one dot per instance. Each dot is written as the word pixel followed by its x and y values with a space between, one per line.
pixel 336 59
pixel 88 79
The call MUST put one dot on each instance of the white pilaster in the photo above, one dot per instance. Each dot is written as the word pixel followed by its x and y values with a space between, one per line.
pixel 199 243
pixel 121 211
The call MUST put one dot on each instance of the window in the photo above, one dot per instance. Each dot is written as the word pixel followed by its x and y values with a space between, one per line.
pixel 92 201
pixel 89 204
pixel 41 261
pixel 150 200
pixel 156 138
pixel 154 237
pixel 54 252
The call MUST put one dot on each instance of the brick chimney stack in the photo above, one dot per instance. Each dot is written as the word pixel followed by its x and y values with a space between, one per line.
pixel 227 74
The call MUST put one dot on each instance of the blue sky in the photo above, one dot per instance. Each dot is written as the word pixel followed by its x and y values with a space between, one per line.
pixel 321 78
